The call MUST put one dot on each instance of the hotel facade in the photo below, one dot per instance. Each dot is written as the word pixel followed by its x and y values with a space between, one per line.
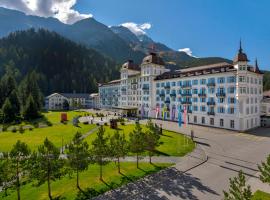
pixel 221 95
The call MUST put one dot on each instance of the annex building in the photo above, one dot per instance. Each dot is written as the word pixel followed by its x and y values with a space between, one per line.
pixel 221 95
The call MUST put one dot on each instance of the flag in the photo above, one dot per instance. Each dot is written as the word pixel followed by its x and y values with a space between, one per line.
pixel 185 116
pixel 157 112
pixel 142 111
pixel 179 117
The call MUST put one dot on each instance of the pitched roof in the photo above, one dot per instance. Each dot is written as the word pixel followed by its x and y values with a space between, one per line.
pixel 241 56
pixel 153 58
pixel 72 95
pixel 131 66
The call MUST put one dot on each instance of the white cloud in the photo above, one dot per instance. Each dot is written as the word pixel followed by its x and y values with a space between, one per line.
pixel 137 29
pixel 187 51
pixel 60 9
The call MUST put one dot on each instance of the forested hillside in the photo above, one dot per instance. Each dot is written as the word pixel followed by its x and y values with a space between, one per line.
pixel 60 64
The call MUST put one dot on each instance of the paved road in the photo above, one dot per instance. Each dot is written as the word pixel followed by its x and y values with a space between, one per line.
pixel 227 151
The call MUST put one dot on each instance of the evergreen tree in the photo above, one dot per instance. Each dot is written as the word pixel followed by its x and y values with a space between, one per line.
pixel 152 139
pixel 7 111
pixel 264 168
pixel 118 147
pixel 14 100
pixel 100 149
pixel 46 165
pixel 78 155
pixel 238 189
pixel 18 156
pixel 5 173
pixel 30 111
pixel 137 141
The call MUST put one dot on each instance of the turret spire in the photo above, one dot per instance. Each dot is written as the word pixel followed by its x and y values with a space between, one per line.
pixel 240 47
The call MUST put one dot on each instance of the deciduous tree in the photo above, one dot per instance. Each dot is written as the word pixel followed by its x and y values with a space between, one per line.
pixel 152 137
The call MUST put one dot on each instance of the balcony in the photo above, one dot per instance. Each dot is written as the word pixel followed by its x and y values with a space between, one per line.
pixel 186 86
pixel 123 89
pixel 187 95
pixel 221 94
pixel 173 94
pixel 202 94
pixel 186 102
pixel 162 94
pixel 211 113
pixel 167 101
pixel 211 103
pixel 211 84
pixel 167 87
pixel 145 88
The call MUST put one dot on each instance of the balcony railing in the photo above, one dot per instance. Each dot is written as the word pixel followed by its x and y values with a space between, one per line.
pixel 173 94
pixel 202 94
pixel 162 94
pixel 211 84
pixel 221 94
pixel 167 101
pixel 145 88
pixel 186 86
pixel 187 95
pixel 167 87
pixel 211 113
pixel 211 103
pixel 186 102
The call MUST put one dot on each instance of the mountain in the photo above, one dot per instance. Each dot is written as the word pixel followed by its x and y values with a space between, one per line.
pixel 61 65
pixel 116 42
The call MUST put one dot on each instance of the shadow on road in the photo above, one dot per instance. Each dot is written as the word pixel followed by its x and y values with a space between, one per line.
pixel 160 186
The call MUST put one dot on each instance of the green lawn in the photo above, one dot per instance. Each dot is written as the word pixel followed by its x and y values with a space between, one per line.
pixel 260 195
pixel 172 143
pixel 55 117
pixel 66 187
pixel 55 133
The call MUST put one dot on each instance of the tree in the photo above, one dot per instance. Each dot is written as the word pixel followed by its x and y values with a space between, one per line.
pixel 78 155
pixel 7 110
pixel 118 147
pixel 46 166
pixel 31 111
pixel 264 168
pixel 5 172
pixel 137 141
pixel 65 105
pixel 152 139
pixel 238 189
pixel 14 100
pixel 100 149
pixel 18 155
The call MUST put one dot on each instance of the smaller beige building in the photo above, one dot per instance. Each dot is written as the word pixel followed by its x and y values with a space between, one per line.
pixel 265 110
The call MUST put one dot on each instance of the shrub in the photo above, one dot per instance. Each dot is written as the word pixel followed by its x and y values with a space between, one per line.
pixel 14 130
pixel 97 124
pixel 31 128
pixel 4 128
pixel 21 130
pixel 122 123
pixel 86 122
pixel 106 124
pixel 49 123
pixel 36 125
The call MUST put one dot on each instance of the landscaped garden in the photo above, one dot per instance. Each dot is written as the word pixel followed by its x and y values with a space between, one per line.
pixel 78 177
pixel 59 133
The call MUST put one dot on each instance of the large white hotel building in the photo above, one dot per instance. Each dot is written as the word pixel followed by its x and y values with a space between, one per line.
pixel 221 95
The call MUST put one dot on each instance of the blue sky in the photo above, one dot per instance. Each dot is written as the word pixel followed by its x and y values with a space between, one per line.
pixel 207 27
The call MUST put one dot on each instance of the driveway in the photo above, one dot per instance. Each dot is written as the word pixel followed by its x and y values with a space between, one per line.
pixel 227 151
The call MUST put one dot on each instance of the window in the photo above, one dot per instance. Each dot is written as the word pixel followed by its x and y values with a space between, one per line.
pixel 231 79
pixel 195 82
pixel 195 99
pixel 231 100
pixel 195 108
pixel 195 91
pixel 221 100
pixel 231 110
pixel 173 84
pixel 232 123
pixel 203 81
pixel 195 119
pixel 221 122
pixel 203 100
pixel 203 120
pixel 203 108
pixel 212 121
pixel 157 85
pixel 231 90
pixel 221 80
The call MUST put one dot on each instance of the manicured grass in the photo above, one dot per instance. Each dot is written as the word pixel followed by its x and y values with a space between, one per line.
pixel 55 117
pixel 172 143
pixel 66 187
pixel 260 195
pixel 36 137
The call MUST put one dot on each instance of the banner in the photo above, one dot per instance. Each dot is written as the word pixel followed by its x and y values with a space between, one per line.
pixel 185 116
pixel 179 117
pixel 157 112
